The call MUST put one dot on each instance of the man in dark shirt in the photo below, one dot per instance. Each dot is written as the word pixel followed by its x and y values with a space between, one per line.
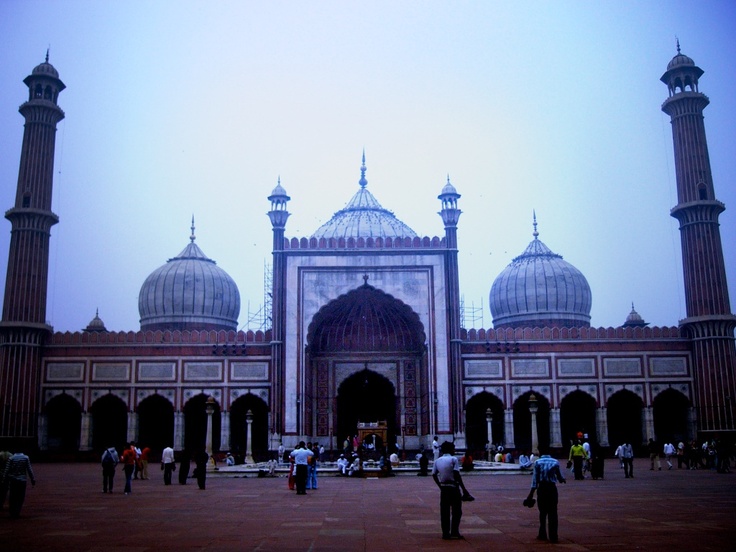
pixel 545 476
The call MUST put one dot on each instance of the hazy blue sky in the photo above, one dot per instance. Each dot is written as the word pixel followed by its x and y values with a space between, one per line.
pixel 181 108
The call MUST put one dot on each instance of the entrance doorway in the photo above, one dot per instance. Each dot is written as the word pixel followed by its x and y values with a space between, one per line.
pixel 366 397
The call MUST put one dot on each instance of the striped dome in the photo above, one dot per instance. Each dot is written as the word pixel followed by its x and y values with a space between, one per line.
pixel 364 217
pixel 189 292
pixel 540 289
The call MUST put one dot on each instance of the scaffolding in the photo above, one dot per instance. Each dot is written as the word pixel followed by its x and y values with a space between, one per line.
pixel 262 318
pixel 471 316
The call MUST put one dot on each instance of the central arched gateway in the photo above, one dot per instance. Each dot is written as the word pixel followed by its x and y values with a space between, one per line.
pixel 366 361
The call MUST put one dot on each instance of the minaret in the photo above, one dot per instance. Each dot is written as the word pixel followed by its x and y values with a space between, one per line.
pixel 709 323
pixel 278 215
pixel 450 215
pixel 23 328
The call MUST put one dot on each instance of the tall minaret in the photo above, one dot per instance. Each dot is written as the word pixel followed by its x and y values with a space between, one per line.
pixel 709 321
pixel 450 215
pixel 23 328
pixel 278 215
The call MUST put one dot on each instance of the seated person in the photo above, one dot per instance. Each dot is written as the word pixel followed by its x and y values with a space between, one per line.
pixel 509 459
pixel 229 460
pixel 394 459
pixel 525 463
pixel 498 457
pixel 342 464
pixel 271 465
pixel 355 467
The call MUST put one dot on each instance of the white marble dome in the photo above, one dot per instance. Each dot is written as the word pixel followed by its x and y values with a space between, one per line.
pixel 540 289
pixel 189 292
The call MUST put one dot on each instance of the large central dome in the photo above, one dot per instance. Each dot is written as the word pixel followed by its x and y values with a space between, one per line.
pixel 540 289
pixel 363 217
pixel 189 292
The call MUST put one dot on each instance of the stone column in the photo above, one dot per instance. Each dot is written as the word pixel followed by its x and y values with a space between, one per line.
pixel 601 423
pixel 210 410
pixel 647 421
pixel 489 431
pixel 224 430
pixel 179 431
pixel 555 432
pixel 132 426
pixel 85 436
pixel 248 437
pixel 509 423
pixel 43 432
pixel 533 407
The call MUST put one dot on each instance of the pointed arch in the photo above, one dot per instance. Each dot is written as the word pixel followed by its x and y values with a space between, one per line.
pixel 109 423
pixel 64 416
pixel 239 427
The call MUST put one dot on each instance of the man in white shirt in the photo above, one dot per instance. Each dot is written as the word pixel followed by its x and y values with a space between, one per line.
pixel 446 473
pixel 669 452
pixel 435 449
pixel 301 455
pixel 167 462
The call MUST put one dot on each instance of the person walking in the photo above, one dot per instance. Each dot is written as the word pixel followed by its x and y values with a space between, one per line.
pixel 201 459
pixel 145 456
pixel 545 476
pixel 184 465
pixel 128 459
pixel 627 459
pixel 312 469
pixel 109 460
pixel 446 474
pixel 17 471
pixel 167 464
pixel 653 455
pixel 669 453
pixel 577 456
pixel 301 455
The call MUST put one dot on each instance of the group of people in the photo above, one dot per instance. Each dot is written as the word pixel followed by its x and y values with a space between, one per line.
pixel 131 458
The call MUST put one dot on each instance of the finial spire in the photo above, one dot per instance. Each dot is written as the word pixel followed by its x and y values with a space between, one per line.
pixel 678 45
pixel 363 182
pixel 535 234
pixel 192 237
pixel 47 54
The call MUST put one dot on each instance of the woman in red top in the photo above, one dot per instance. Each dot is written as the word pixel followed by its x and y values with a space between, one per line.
pixel 128 460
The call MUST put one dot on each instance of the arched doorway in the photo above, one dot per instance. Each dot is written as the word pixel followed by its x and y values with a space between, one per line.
pixel 577 415
pixel 624 419
pixel 109 423
pixel 476 425
pixel 239 427
pixel 64 417
pixel 365 339
pixel 366 397
pixel 195 424
pixel 523 422
pixel 155 423
pixel 671 416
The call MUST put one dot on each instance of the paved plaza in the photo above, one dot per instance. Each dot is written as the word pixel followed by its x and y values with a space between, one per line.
pixel 657 510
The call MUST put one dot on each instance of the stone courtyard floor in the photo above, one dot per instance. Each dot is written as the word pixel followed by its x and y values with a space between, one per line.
pixel 657 510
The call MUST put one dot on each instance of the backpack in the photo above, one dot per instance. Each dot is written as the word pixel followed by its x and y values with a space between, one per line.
pixel 107 458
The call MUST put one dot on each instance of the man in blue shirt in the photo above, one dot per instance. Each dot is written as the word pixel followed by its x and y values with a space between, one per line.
pixel 545 476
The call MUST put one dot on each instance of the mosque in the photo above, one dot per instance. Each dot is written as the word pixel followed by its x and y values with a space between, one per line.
pixel 365 332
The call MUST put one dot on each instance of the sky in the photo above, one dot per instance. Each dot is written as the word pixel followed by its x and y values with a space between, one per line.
pixel 185 108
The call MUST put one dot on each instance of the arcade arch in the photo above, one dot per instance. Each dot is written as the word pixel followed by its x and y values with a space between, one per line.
pixel 239 427
pixel 366 397
pixel 476 425
pixel 625 419
pixel 156 423
pixel 64 417
pixel 577 415
pixel 671 412
pixel 109 423
pixel 195 424
pixel 523 422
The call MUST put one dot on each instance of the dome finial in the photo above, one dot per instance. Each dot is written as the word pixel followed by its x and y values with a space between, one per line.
pixel 363 182
pixel 47 54
pixel 677 40
pixel 535 233
pixel 192 237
